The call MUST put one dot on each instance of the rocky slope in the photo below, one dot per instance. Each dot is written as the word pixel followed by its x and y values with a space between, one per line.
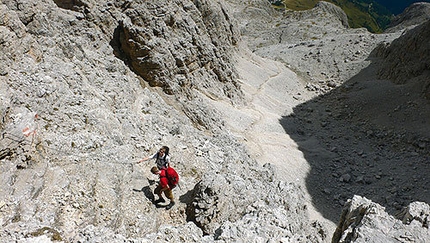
pixel 90 87
pixel 358 136
pixel 365 221
pixel 414 15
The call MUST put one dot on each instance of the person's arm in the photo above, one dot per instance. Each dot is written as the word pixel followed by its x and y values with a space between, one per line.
pixel 164 182
pixel 145 159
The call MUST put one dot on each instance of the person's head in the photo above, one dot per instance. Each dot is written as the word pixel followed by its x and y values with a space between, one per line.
pixel 163 151
pixel 154 170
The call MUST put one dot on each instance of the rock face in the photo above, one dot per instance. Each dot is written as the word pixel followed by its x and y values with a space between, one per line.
pixel 262 212
pixel 317 44
pixel 365 221
pixel 171 44
pixel 407 58
pixel 414 15
pixel 88 88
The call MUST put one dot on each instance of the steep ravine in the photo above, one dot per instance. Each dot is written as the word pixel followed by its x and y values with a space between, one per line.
pixel 271 91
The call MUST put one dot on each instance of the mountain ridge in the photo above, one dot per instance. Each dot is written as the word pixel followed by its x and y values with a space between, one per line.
pixel 397 7
pixel 375 16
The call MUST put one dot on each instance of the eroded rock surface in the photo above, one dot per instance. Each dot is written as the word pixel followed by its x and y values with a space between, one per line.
pixel 365 221
pixel 88 88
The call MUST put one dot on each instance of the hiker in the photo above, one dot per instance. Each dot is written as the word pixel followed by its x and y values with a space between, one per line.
pixel 163 187
pixel 162 158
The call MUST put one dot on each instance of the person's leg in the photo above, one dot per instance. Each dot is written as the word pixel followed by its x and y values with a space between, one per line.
pixel 169 194
pixel 158 192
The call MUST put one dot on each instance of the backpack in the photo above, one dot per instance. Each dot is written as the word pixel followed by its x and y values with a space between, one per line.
pixel 172 177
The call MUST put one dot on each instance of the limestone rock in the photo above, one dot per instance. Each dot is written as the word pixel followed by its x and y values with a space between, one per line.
pixel 418 212
pixel 365 221
pixel 172 44
pixel 406 59
pixel 412 16
pixel 252 207
pixel 88 88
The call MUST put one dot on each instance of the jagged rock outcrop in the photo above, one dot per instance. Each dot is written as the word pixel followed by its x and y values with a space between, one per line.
pixel 266 27
pixel 407 59
pixel 172 44
pixel 365 221
pixel 317 44
pixel 262 212
pixel 337 12
pixel 412 16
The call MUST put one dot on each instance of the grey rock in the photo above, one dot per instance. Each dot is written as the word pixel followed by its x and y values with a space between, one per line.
pixel 366 221
pixel 403 60
pixel 416 213
pixel 87 88
pixel 345 178
pixel 412 16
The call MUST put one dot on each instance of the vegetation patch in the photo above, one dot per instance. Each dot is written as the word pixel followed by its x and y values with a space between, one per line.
pixel 361 13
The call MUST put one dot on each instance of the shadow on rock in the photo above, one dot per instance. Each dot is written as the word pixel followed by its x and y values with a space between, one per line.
pixel 367 137
pixel 188 199
pixel 147 192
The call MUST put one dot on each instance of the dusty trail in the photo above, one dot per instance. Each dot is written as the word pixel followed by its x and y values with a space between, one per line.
pixel 271 91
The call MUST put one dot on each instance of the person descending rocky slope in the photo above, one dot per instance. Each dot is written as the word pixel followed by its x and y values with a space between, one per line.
pixel 88 88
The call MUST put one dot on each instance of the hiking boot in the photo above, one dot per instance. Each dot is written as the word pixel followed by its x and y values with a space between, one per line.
pixel 160 200
pixel 171 204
